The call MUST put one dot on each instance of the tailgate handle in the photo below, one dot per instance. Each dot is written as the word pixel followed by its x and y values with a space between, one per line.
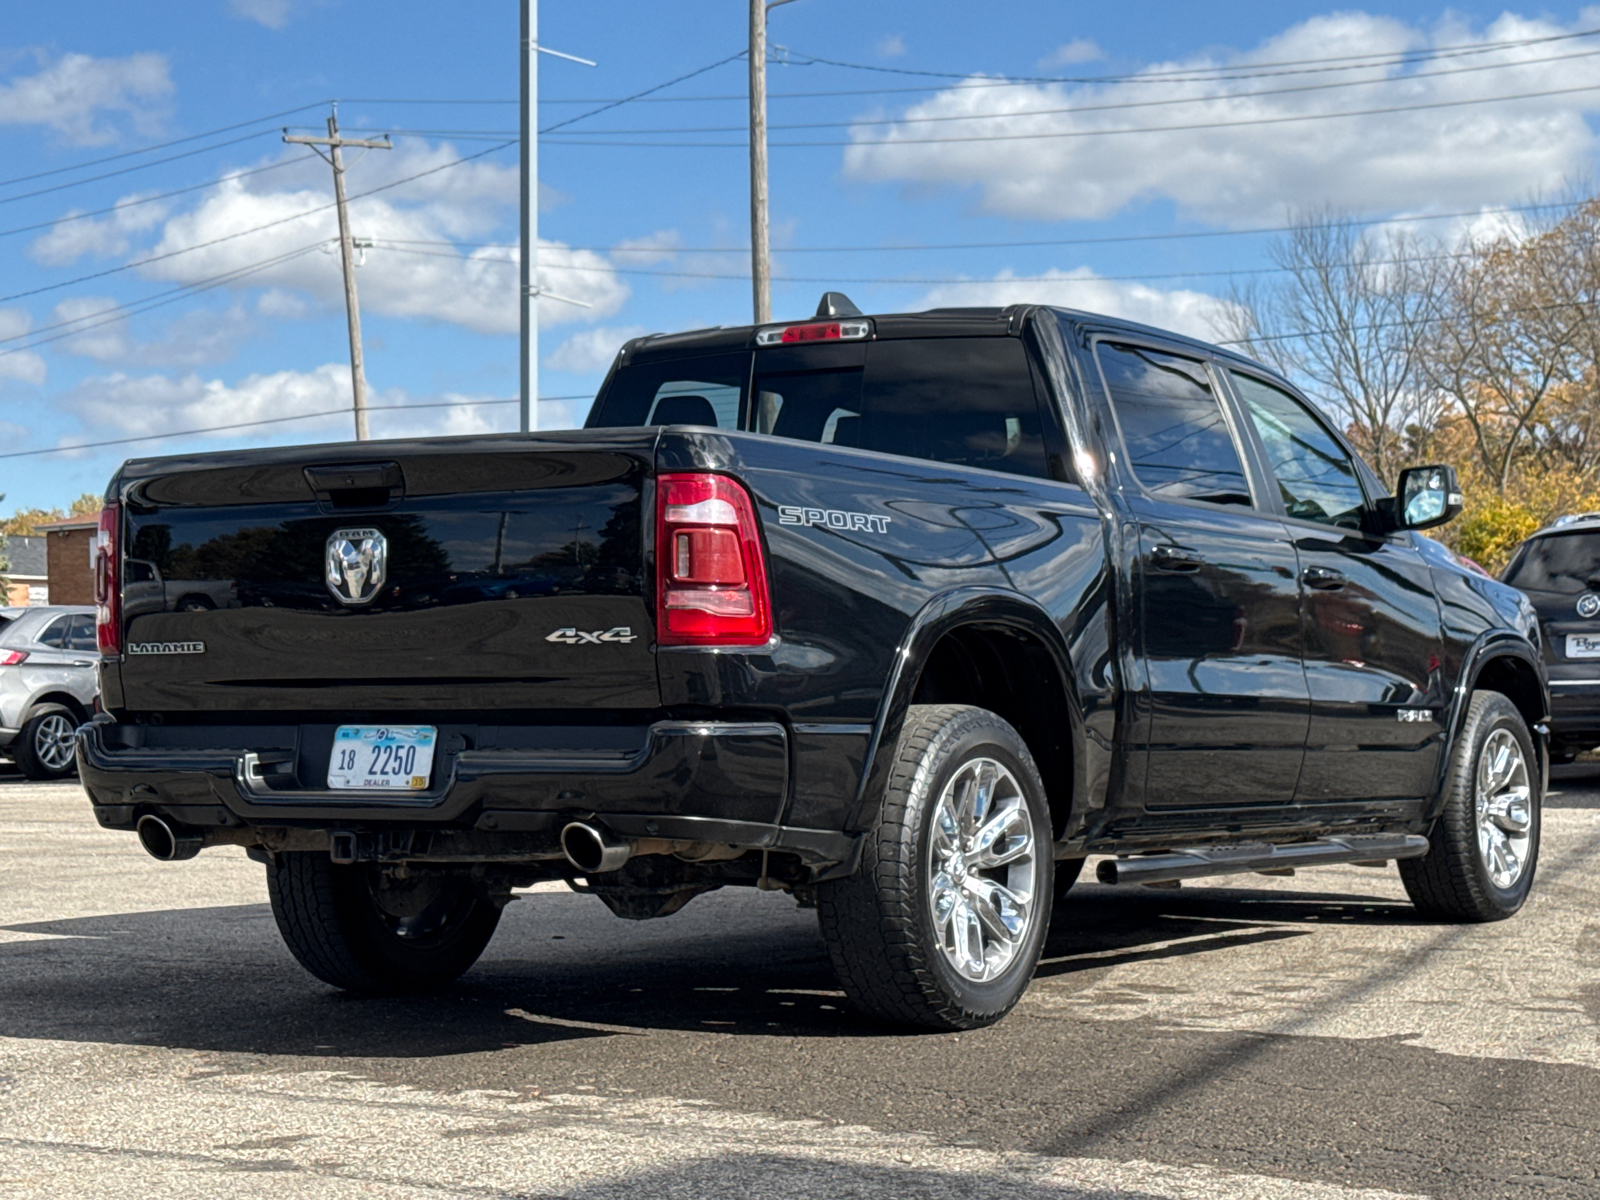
pixel 357 485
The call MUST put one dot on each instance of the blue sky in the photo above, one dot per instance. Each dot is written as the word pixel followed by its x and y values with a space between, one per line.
pixel 645 205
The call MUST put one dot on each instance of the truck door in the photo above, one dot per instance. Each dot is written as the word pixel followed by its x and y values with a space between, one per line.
pixel 1218 597
pixel 1369 616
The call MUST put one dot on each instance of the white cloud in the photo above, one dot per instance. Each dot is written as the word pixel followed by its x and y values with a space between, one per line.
pixel 198 336
pixel 71 93
pixel 69 240
pixel 274 14
pixel 22 365
pixel 892 46
pixel 1193 313
pixel 158 404
pixel 1239 174
pixel 592 349
pixel 412 272
pixel 1078 50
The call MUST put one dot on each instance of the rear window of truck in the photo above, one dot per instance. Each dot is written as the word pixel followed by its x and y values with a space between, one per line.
pixel 967 401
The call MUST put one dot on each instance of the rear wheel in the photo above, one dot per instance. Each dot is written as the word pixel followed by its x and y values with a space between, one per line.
pixel 46 746
pixel 943 924
pixel 1485 844
pixel 362 929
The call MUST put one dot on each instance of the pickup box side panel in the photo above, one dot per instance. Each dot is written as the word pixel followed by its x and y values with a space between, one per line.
pixel 844 592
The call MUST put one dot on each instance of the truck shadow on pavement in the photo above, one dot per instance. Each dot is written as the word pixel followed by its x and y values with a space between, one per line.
pixel 560 968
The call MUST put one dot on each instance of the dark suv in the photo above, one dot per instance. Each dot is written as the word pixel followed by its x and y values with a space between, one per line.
pixel 1559 569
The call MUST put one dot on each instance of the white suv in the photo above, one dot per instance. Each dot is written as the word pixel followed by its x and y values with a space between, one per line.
pixel 49 677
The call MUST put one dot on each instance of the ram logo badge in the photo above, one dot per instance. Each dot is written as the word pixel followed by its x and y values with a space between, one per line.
pixel 357 564
pixel 166 647
pixel 833 518
pixel 577 637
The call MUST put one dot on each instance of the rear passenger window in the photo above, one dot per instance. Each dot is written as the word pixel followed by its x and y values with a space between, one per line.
pixel 1179 444
pixel 54 634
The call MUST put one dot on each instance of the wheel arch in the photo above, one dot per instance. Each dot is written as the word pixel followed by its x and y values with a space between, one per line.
pixel 1502 662
pixel 996 650
pixel 50 700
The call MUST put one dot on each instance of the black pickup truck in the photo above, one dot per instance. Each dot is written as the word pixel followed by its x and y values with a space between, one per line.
pixel 904 615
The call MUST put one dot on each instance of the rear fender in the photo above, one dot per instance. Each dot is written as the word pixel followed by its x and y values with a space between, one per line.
pixel 949 611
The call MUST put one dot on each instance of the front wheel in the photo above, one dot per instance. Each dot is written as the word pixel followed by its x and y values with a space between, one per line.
pixel 367 930
pixel 1485 844
pixel 943 924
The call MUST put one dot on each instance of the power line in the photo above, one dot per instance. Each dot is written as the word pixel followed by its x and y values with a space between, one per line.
pixel 332 412
pixel 1241 70
pixel 59 187
pixel 193 137
pixel 1109 239
pixel 647 91
pixel 1171 101
pixel 1095 133
pixel 246 232
pixel 123 204
pixel 118 312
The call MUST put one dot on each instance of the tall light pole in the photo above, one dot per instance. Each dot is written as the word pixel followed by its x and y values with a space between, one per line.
pixel 760 250
pixel 529 283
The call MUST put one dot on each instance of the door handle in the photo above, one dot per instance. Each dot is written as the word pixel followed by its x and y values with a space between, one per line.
pixel 1173 558
pixel 1324 579
pixel 83 664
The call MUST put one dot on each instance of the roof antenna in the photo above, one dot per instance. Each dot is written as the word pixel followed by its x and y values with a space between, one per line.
pixel 836 304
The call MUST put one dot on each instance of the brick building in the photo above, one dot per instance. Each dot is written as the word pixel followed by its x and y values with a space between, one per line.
pixel 27 580
pixel 69 558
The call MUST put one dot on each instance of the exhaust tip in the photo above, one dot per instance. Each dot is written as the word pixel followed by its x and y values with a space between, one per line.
pixel 161 841
pixel 591 850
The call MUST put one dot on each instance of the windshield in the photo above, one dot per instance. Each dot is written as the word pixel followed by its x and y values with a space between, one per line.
pixel 1563 563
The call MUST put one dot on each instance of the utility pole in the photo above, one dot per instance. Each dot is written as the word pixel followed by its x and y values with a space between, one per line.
pixel 529 289
pixel 760 251
pixel 352 307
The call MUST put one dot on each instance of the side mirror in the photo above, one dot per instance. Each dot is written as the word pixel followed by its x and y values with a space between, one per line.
pixel 1427 496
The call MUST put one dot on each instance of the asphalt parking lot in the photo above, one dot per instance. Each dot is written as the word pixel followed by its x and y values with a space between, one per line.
pixel 1307 1037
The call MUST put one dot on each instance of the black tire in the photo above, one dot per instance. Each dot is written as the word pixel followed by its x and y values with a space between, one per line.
pixel 879 924
pixel 195 604
pixel 333 920
pixel 38 749
pixel 1453 882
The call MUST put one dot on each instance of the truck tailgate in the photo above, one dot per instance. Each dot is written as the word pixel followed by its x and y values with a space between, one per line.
pixel 511 578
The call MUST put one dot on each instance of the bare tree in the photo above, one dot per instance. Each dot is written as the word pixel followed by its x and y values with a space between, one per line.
pixel 1348 322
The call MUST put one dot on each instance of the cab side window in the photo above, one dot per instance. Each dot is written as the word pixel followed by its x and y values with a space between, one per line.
pixel 1315 475
pixel 1178 440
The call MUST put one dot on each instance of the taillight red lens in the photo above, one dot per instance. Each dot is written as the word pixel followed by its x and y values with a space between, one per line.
pixel 10 658
pixel 711 573
pixel 107 581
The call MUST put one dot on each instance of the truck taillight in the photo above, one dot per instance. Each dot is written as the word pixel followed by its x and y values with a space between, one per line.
pixel 107 585
pixel 711 573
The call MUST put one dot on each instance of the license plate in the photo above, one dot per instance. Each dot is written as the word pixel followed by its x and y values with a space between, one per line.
pixel 382 756
pixel 1583 645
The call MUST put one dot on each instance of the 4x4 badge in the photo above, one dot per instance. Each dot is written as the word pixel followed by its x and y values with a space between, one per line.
pixel 577 637
pixel 1588 605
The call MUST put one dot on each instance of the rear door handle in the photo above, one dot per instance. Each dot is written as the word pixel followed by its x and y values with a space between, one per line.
pixel 1173 558
pixel 1324 579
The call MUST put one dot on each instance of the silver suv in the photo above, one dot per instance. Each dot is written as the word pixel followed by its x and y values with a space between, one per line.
pixel 49 677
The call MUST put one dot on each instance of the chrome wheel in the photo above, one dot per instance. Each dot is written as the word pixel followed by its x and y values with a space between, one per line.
pixel 55 741
pixel 981 870
pixel 1504 804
